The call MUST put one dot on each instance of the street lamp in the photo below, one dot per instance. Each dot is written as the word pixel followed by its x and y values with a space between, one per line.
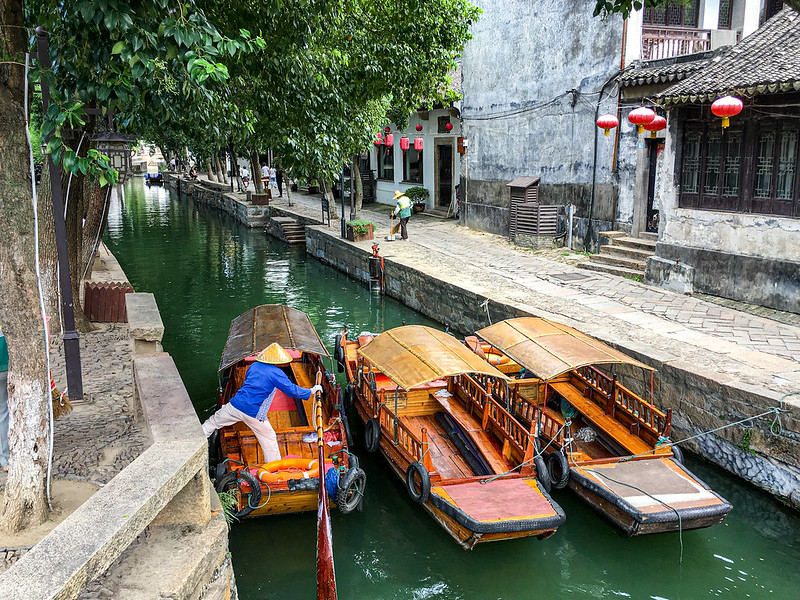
pixel 116 147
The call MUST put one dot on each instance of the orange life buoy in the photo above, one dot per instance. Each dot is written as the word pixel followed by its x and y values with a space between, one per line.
pixel 288 468
pixel 496 359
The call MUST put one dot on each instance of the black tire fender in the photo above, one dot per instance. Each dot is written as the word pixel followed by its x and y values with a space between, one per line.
pixel 231 479
pixel 349 398
pixel 677 453
pixel 422 494
pixel 558 467
pixel 542 474
pixel 372 435
pixel 347 435
pixel 337 348
pixel 351 490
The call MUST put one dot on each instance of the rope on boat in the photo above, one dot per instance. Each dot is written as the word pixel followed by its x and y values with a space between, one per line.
pixel 269 496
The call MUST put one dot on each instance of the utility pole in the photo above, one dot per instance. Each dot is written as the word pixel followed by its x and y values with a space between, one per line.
pixel 72 347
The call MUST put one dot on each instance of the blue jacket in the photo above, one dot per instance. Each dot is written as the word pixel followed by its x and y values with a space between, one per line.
pixel 3 352
pixel 258 390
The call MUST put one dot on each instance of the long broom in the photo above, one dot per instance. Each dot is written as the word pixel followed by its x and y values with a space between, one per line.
pixel 392 229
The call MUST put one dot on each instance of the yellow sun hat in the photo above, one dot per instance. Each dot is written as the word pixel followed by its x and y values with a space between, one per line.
pixel 397 193
pixel 274 354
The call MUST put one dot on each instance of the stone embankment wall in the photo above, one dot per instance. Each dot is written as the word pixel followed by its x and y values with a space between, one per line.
pixel 219 196
pixel 700 403
pixel 156 530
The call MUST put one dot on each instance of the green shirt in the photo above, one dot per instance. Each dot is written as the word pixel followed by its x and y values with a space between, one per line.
pixel 403 207
pixel 3 352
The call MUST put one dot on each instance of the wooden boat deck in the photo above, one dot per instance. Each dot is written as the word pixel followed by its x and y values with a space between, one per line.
pixel 604 422
pixel 446 459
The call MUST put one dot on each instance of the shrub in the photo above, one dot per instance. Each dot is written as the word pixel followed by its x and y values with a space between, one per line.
pixel 417 194
pixel 360 227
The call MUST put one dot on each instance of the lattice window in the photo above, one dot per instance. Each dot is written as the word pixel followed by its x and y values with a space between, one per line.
pixel 764 165
pixel 787 159
pixel 725 12
pixel 690 182
pixel 673 15
pixel 713 161
pixel 730 179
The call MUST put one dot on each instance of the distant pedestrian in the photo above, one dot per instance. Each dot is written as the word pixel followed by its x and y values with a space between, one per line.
pixel 272 181
pixel 279 179
pixel 265 174
pixel 245 177
pixel 5 452
pixel 238 178
pixel 403 210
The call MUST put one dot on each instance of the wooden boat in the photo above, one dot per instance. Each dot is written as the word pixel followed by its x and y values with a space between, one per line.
pixel 607 443
pixel 293 485
pixel 462 456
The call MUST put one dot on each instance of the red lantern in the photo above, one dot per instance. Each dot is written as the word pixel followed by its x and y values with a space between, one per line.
pixel 656 124
pixel 404 143
pixel 387 129
pixel 607 123
pixel 388 142
pixel 418 144
pixel 419 127
pixel 378 139
pixel 449 127
pixel 641 117
pixel 727 107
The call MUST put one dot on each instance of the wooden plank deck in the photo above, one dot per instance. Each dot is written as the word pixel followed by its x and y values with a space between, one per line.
pixel 472 427
pixel 446 459
pixel 594 414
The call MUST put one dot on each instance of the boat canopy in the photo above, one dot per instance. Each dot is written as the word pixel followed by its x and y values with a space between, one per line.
pixel 259 327
pixel 549 349
pixel 413 355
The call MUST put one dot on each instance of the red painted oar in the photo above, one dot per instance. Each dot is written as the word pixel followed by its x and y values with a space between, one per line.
pixel 326 573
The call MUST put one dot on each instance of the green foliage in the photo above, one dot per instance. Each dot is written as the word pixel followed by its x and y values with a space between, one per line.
pixel 360 227
pixel 417 194
pixel 230 504
pixel 747 437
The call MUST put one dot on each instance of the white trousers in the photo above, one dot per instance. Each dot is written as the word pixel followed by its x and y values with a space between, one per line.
pixel 228 415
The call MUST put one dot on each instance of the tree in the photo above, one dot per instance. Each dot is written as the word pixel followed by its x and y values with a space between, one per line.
pixel 108 54
pixel 625 7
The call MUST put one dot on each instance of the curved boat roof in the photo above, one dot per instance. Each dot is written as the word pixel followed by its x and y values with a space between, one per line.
pixel 259 327
pixel 548 349
pixel 414 354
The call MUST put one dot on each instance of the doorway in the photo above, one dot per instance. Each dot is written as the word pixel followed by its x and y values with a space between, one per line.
pixel 444 174
pixel 654 148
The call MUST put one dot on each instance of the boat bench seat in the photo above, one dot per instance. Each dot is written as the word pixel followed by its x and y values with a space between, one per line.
pixel 604 422
pixel 472 427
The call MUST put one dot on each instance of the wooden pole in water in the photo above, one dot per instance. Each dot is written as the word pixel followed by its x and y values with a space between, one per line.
pixel 326 573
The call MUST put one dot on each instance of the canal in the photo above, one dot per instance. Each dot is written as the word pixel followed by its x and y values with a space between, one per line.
pixel 205 269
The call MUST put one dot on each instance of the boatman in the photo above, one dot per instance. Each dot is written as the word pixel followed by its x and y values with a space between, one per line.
pixel 403 210
pixel 251 403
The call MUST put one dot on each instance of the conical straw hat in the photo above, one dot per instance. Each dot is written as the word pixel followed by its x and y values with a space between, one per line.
pixel 274 354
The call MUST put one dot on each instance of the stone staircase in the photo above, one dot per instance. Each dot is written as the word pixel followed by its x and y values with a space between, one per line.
pixel 291 231
pixel 624 256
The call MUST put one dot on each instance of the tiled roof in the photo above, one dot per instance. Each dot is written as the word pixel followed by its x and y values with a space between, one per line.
pixel 765 62
pixel 666 69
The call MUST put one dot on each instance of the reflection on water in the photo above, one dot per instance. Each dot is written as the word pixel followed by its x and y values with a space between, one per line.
pixel 205 269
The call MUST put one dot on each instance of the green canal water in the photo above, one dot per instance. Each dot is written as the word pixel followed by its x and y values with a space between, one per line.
pixel 205 269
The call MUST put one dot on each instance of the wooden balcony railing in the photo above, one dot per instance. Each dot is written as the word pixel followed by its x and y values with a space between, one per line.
pixel 666 42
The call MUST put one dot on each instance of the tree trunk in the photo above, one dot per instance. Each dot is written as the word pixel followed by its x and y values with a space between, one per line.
pixel 48 252
pixel 255 170
pixel 326 189
pixel 92 229
pixel 287 184
pixel 219 163
pixel 356 178
pixel 24 502
pixel 212 176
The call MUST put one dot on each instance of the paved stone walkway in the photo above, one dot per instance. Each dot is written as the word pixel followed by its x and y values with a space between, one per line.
pixel 732 339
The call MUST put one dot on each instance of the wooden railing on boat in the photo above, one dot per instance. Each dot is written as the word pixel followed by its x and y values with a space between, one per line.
pixel 615 397
pixel 326 574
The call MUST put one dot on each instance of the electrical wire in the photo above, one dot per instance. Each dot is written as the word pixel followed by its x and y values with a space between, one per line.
pixel 34 196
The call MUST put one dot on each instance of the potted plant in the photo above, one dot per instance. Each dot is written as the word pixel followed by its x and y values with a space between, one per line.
pixel 418 196
pixel 360 230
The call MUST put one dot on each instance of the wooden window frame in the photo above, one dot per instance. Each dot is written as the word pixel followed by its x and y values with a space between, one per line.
pixel 381 158
pixel 421 170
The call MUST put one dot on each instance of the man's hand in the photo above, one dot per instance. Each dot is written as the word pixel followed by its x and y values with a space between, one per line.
pixel 316 389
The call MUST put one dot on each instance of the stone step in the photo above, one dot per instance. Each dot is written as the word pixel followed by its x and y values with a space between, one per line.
pixel 625 251
pixel 632 242
pixel 612 234
pixel 647 235
pixel 611 270
pixel 618 261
